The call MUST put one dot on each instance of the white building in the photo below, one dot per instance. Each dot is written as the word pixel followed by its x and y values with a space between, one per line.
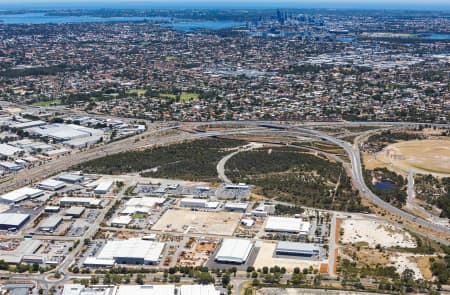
pixel 69 201
pixel 234 251
pixel 121 220
pixel 146 290
pixel 287 225
pixel 7 150
pixel 103 187
pixel 20 195
pixel 132 251
pixel 193 203
pixel 198 290
pixel 51 185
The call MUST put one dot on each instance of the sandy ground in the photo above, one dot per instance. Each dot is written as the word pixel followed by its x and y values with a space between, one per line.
pixel 265 258
pixel 404 261
pixel 423 156
pixel 374 232
pixel 212 223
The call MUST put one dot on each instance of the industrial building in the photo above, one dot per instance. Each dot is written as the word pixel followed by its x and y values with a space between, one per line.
pixel 147 290
pixel 10 166
pixel 71 178
pixel 198 290
pixel 13 221
pixel 287 225
pixel 50 223
pixel 121 220
pixel 234 251
pixel 64 132
pixel 20 195
pixel 52 209
pixel 7 150
pixel 103 187
pixel 132 251
pixel 198 203
pixel 236 207
pixel 297 249
pixel 71 201
pixel 75 211
pixel 149 202
pixel 51 185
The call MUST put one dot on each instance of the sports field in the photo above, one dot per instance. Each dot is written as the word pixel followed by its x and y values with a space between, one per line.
pixel 422 156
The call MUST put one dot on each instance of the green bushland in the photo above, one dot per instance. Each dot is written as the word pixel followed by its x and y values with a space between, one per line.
pixel 190 160
pixel 296 176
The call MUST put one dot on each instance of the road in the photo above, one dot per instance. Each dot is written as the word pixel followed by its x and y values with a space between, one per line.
pixel 221 165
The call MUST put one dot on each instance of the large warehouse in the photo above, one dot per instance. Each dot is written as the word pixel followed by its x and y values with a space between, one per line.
pixel 70 201
pixel 287 225
pixel 234 251
pixel 51 185
pixel 13 220
pixel 146 290
pixel 198 290
pixel 297 249
pixel 132 251
pixel 20 195
pixel 50 223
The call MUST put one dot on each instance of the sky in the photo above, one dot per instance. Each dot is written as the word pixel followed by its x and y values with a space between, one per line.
pixel 386 4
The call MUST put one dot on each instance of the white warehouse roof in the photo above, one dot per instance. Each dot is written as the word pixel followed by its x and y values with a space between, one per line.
pixel 286 224
pixel 198 290
pixel 52 184
pixel 234 250
pixel 21 194
pixel 8 150
pixel 145 202
pixel 135 248
pixel 146 290
pixel 13 219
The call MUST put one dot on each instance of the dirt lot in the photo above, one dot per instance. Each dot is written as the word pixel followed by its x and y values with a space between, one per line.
pixel 265 258
pixel 360 230
pixel 423 156
pixel 202 222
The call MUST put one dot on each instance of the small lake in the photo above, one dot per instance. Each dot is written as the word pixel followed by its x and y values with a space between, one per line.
pixel 384 185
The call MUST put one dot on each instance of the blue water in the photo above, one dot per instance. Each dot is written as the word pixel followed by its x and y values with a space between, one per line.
pixel 384 185
pixel 438 5
pixel 188 26
pixel 41 18
pixel 182 25
pixel 346 39
pixel 434 36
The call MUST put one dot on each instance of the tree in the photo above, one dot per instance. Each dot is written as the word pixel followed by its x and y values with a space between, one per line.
pixel 225 280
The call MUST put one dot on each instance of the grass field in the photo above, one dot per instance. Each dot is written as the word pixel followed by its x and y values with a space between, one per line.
pixel 184 97
pixel 138 92
pixel 48 103
pixel 423 156
pixel 139 216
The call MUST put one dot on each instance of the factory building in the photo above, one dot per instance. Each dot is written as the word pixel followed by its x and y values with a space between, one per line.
pixel 297 249
pixel 51 185
pixel 234 251
pixel 10 166
pixel 236 207
pixel 50 223
pixel 193 203
pixel 75 211
pixel 71 178
pixel 132 251
pixel 287 225
pixel 13 221
pixel 7 150
pixel 198 290
pixel 103 187
pixel 198 203
pixel 147 290
pixel 71 201
pixel 20 195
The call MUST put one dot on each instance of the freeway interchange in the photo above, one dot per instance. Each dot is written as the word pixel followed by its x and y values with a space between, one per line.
pixel 165 134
